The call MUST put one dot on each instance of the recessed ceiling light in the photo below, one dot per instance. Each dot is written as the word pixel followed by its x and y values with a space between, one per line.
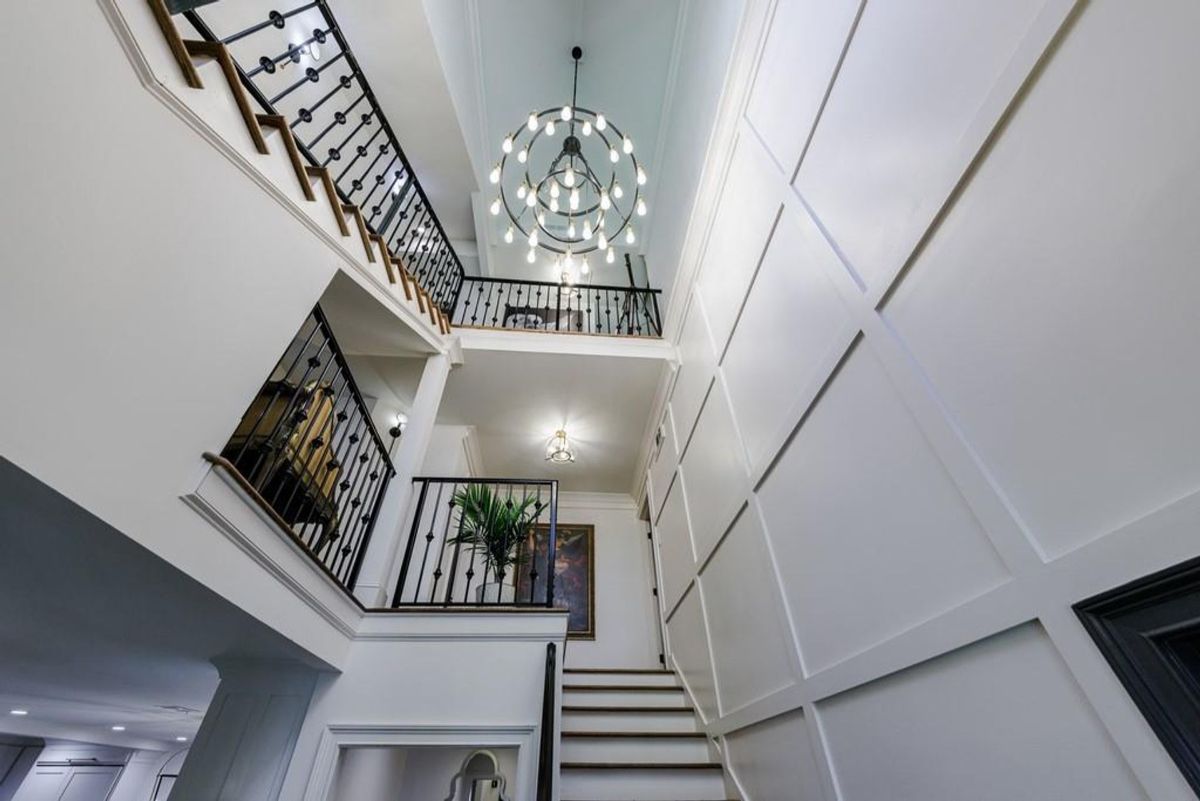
pixel 118 728
pixel 18 712
pixel 181 739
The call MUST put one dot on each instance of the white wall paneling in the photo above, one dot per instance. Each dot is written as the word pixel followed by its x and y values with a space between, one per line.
pixel 690 652
pixel 958 364
pixel 676 559
pixel 747 611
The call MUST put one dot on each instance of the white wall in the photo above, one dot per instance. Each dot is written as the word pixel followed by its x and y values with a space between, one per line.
pixel 149 285
pixel 626 628
pixel 936 387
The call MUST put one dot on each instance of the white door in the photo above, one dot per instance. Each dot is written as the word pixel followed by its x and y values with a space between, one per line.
pixel 69 783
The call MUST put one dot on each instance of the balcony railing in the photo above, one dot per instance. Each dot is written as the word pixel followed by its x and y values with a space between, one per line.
pixel 296 63
pixel 547 306
pixel 307 451
pixel 451 554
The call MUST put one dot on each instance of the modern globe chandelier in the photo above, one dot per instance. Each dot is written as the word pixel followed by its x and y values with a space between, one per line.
pixel 569 183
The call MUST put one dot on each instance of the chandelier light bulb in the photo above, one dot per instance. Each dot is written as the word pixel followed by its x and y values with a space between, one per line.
pixel 531 256
pixel 618 192
pixel 506 145
pixel 613 155
pixel 567 261
pixel 494 176
pixel 571 229
pixel 533 121
pixel 531 199
pixel 641 208
pixel 641 176
pixel 602 241
pixel 574 199
pixel 587 230
pixel 566 114
pixel 601 123
pixel 549 127
pixel 569 177
pixel 584 268
pixel 605 202
pixel 610 257
pixel 627 145
pixel 523 155
pixel 521 192
pixel 554 204
pixel 496 206
pixel 533 239
pixel 542 218
pixel 629 237
pixel 587 127
pixel 508 235
pixel 554 190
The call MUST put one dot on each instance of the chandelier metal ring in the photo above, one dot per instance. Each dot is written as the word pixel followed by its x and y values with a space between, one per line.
pixel 570 206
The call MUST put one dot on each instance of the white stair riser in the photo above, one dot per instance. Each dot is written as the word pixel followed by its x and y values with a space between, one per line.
pixel 629 721
pixel 633 749
pixel 621 679
pixel 624 698
pixel 642 785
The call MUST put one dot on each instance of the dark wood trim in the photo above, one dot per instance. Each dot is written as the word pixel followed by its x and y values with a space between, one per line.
pixel 279 123
pixel 641 766
pixel 322 174
pixel 226 466
pixel 635 735
pixel 218 51
pixel 670 710
pixel 623 688
pixel 1146 629
pixel 353 211
pixel 165 24
pixel 387 257
pixel 622 671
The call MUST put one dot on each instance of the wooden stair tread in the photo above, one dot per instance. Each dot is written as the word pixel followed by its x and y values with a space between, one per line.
pixel 640 766
pixel 617 688
pixel 668 709
pixel 656 735
pixel 322 174
pixel 218 51
pixel 280 123
pixel 622 671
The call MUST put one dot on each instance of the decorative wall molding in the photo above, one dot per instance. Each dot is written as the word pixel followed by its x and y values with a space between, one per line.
pixel 349 735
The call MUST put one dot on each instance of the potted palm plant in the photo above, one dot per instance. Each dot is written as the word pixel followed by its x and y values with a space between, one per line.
pixel 497 526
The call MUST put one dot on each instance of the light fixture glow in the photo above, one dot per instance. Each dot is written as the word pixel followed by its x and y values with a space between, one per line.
pixel 629 237
pixel 641 207
pixel 531 257
pixel 181 739
pixel 558 450
pixel 118 728
pixel 580 189
pixel 19 712
pixel 610 257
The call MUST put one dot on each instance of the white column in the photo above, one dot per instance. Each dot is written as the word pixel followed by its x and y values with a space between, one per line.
pixel 381 564
pixel 249 731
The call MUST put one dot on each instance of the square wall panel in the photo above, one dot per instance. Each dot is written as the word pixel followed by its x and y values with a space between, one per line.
pixel 892 133
pixel 754 654
pixel 792 320
pixel 774 760
pixel 999 720
pixel 689 646
pixel 750 201
pixel 871 534
pixel 802 51
pixel 674 544
pixel 1055 310
pixel 696 365
pixel 716 473
pixel 663 466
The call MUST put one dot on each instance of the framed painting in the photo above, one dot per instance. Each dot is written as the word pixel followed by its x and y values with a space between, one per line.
pixel 574 574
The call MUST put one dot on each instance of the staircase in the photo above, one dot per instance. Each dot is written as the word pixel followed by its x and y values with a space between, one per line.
pixel 631 735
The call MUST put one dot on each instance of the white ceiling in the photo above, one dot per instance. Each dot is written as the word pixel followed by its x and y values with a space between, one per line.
pixel 96 631
pixel 516 401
